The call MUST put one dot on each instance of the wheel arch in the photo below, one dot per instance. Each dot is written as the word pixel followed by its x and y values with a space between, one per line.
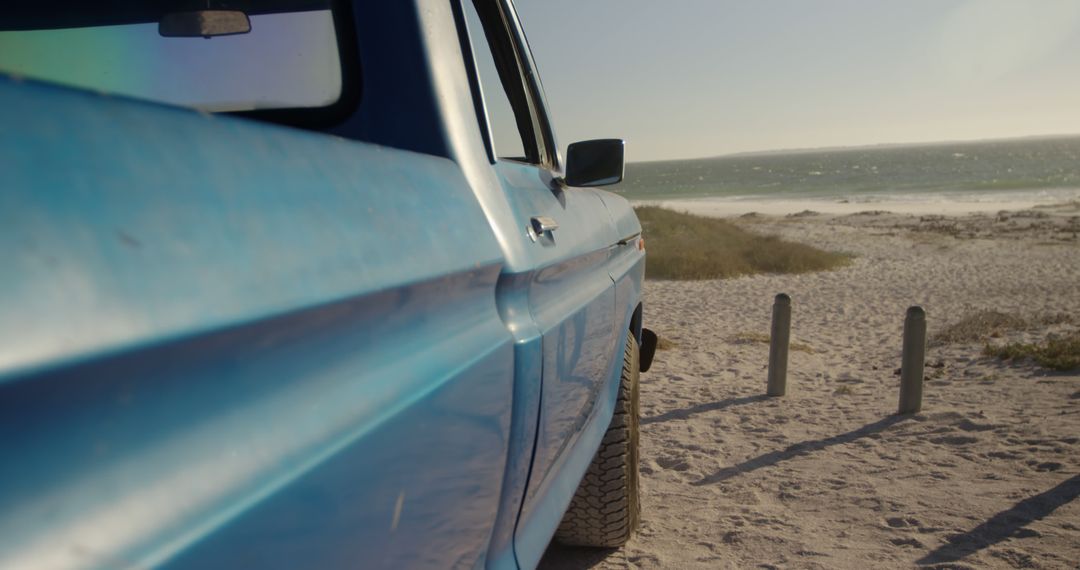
pixel 636 321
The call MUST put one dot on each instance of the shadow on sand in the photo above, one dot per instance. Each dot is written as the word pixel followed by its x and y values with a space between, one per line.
pixel 1006 524
pixel 559 557
pixel 800 449
pixel 685 413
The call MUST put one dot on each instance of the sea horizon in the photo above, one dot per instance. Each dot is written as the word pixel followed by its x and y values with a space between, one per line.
pixel 1040 168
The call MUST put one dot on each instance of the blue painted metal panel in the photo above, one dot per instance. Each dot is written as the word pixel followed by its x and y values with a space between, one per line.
pixel 513 299
pixel 559 464
pixel 575 307
pixel 628 271
pixel 125 221
pixel 283 443
pixel 627 263
pixel 227 343
pixel 623 218
pixel 572 302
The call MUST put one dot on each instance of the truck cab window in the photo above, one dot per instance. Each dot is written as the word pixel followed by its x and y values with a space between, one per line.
pixel 511 124
pixel 270 58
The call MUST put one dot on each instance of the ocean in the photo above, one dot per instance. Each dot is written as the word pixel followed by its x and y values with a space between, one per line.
pixel 1047 167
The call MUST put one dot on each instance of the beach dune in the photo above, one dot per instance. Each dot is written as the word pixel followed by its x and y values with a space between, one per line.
pixel 987 475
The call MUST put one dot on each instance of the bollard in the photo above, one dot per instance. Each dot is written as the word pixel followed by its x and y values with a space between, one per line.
pixel 911 363
pixel 778 345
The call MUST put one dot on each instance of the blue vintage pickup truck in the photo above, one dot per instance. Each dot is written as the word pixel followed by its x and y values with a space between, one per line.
pixel 305 284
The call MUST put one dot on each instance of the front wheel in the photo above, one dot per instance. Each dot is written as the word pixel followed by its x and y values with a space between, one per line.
pixel 605 509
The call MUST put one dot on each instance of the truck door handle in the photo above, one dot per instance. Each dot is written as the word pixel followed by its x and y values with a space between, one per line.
pixel 542 224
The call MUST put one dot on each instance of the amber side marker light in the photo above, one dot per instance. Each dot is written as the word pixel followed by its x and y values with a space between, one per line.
pixel 641 244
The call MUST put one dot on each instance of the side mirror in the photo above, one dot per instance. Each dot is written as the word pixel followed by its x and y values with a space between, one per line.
pixel 595 163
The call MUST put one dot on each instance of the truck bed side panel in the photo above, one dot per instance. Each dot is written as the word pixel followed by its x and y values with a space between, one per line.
pixel 237 345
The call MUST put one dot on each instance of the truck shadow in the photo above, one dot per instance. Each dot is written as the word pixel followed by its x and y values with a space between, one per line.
pixel 559 557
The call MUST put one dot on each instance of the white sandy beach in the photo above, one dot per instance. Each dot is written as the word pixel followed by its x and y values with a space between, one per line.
pixel 914 204
pixel 986 476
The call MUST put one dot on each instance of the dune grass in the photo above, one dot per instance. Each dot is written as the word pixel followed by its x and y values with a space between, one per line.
pixel 1056 353
pixel 665 343
pixel 843 391
pixel 686 247
pixel 763 338
pixel 988 323
pixel 978 326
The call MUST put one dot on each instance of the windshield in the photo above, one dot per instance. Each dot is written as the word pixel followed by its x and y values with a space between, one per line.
pixel 284 60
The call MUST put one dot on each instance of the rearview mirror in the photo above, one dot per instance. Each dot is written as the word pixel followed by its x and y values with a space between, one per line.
pixel 595 163
pixel 204 23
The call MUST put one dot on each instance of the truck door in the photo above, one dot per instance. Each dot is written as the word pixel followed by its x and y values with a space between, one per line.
pixel 569 235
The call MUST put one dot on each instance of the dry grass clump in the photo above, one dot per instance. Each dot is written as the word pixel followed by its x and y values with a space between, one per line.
pixel 760 338
pixel 749 338
pixel 1070 206
pixel 665 343
pixel 1061 353
pixel 978 326
pixel 988 323
pixel 684 246
pixel 1055 319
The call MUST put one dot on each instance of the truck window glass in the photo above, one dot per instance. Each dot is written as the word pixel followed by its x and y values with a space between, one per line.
pixel 503 119
pixel 288 59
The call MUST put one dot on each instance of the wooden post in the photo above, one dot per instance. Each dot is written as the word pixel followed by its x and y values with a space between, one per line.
pixel 778 345
pixel 911 363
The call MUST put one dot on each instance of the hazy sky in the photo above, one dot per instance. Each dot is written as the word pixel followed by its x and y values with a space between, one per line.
pixel 690 78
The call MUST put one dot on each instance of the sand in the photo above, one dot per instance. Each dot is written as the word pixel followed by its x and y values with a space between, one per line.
pixel 917 204
pixel 987 475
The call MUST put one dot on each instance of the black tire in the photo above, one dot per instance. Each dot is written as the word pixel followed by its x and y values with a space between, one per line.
pixel 606 509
